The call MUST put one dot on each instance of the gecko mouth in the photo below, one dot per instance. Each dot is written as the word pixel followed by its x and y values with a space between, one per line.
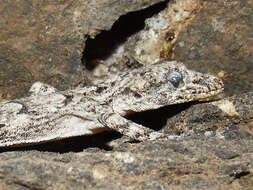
pixel 202 96
pixel 201 87
pixel 219 94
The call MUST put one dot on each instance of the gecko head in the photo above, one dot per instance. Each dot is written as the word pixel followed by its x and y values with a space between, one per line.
pixel 162 84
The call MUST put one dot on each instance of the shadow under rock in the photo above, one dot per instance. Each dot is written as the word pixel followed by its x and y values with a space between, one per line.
pixel 74 144
pixel 157 119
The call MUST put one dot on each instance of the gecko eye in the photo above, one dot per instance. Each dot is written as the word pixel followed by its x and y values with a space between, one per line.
pixel 176 79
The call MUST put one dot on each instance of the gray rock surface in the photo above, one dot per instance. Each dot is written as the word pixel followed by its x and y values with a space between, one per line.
pixel 210 144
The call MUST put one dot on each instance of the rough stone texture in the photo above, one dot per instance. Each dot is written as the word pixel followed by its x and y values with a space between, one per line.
pixel 156 41
pixel 44 40
pixel 219 39
pixel 210 144
pixel 201 154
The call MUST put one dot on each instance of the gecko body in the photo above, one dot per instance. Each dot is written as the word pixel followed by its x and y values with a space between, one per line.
pixel 48 114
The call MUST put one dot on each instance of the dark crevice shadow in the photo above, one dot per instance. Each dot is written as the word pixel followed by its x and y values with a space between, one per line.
pixel 157 119
pixel 104 44
pixel 240 174
pixel 74 144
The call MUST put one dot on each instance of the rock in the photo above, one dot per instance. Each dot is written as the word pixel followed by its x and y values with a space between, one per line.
pixel 191 158
pixel 209 145
pixel 44 41
pixel 213 118
pixel 155 42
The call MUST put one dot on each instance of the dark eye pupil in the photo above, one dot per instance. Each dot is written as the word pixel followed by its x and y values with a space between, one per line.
pixel 175 78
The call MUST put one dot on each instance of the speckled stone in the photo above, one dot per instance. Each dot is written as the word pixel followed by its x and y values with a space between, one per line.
pixel 210 145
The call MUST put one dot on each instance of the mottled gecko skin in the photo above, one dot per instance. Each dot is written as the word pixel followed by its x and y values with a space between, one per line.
pixel 48 114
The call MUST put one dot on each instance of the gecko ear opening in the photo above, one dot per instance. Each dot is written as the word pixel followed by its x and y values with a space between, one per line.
pixel 157 119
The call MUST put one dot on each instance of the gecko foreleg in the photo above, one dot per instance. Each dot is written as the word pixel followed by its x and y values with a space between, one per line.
pixel 128 128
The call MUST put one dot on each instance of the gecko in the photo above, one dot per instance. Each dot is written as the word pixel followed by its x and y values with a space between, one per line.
pixel 48 114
